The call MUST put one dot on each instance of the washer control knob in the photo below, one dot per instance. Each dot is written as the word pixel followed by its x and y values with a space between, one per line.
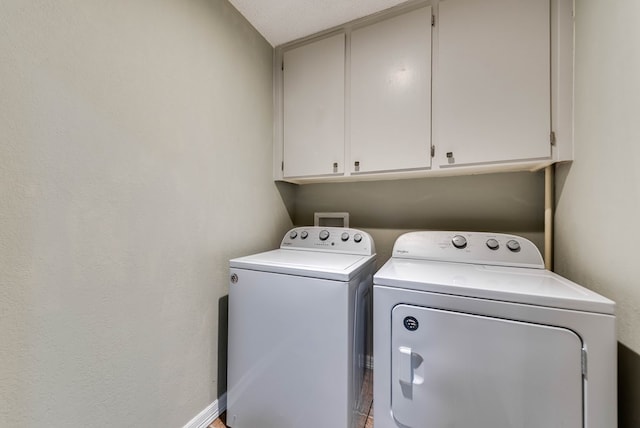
pixel 459 241
pixel 492 244
pixel 304 234
pixel 324 235
pixel 513 245
pixel 344 236
pixel 293 234
pixel 357 237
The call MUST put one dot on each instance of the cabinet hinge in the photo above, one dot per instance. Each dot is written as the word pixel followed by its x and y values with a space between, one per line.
pixel 433 20
pixel 584 363
pixel 552 138
pixel 433 151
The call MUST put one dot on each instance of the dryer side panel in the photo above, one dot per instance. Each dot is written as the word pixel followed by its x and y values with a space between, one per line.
pixel 451 369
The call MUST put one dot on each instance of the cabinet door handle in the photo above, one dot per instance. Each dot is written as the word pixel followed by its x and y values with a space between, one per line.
pixel 335 167
pixel 450 157
pixel 356 165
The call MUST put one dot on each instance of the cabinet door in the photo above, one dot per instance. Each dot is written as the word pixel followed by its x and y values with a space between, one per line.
pixel 314 108
pixel 492 87
pixel 391 94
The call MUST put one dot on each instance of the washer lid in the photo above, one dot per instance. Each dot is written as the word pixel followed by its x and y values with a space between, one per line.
pixel 315 264
pixel 509 284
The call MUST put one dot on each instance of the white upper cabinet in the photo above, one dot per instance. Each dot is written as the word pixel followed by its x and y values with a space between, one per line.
pixel 390 82
pixel 432 87
pixel 492 82
pixel 313 108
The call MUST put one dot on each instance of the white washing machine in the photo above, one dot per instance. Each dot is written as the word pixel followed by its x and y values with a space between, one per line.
pixel 470 330
pixel 297 330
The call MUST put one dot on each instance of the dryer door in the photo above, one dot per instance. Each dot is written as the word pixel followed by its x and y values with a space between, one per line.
pixel 452 369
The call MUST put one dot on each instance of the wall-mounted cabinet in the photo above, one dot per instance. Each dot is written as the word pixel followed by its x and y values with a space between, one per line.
pixel 493 82
pixel 313 109
pixel 445 87
pixel 390 81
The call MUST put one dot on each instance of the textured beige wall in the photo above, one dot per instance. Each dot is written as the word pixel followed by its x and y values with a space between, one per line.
pixel 598 195
pixel 135 160
pixel 508 203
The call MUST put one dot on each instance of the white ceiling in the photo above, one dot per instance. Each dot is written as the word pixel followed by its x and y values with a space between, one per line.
pixel 281 21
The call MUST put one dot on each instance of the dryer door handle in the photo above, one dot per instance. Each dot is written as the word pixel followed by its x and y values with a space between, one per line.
pixel 405 366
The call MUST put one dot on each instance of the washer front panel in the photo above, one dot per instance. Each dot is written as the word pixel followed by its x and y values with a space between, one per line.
pixel 290 353
pixel 444 361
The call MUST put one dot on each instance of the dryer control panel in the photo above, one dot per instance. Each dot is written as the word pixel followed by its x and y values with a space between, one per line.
pixel 329 239
pixel 497 249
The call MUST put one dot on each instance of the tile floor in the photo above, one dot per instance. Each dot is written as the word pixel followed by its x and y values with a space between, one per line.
pixel 365 414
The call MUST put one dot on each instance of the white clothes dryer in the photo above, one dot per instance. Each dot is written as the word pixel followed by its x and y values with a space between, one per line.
pixel 298 330
pixel 470 330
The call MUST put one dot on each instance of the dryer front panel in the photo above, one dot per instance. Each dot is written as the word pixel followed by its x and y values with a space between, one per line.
pixel 452 369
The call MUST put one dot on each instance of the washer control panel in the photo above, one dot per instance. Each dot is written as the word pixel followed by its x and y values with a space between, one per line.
pixel 330 239
pixel 469 247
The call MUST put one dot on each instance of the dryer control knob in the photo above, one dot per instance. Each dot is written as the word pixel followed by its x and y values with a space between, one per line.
pixel 293 234
pixel 513 245
pixel 324 234
pixel 304 234
pixel 492 244
pixel 344 236
pixel 459 241
pixel 357 237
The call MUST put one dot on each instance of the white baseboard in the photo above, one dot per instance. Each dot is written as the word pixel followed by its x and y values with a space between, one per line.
pixel 209 414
